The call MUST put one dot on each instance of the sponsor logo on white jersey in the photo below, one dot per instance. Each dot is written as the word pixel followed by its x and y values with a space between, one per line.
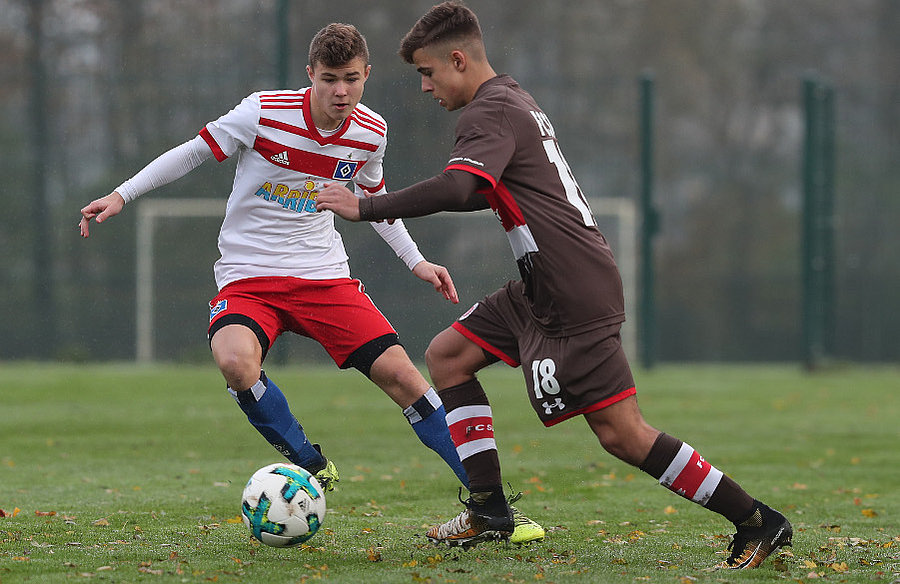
pixel 281 158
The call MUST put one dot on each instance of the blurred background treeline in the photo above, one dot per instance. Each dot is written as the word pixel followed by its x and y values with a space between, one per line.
pixel 91 90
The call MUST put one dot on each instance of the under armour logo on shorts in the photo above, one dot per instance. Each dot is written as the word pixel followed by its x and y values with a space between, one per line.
pixel 548 407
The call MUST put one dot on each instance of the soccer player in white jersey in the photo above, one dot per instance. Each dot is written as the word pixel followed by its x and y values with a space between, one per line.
pixel 283 266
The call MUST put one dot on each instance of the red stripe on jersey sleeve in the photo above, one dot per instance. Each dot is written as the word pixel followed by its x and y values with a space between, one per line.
pixel 370 125
pixel 363 116
pixel 213 145
pixel 474 171
pixel 277 94
pixel 374 189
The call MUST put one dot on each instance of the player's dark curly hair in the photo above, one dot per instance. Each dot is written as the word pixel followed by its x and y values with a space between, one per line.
pixel 336 45
pixel 447 22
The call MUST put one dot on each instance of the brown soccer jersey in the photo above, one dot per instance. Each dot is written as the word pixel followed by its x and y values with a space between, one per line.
pixel 570 276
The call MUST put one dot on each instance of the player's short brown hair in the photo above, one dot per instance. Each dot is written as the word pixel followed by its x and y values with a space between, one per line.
pixel 336 45
pixel 448 22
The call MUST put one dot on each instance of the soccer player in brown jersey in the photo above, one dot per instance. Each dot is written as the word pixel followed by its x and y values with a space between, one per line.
pixel 562 330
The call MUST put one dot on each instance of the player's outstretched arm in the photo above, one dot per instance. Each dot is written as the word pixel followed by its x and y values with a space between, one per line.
pixel 167 167
pixel 439 277
pixel 100 209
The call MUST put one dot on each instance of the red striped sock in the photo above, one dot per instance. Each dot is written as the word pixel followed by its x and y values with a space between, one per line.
pixel 471 426
pixel 690 476
pixel 682 470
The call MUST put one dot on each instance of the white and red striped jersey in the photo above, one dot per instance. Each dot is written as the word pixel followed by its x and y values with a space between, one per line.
pixel 271 227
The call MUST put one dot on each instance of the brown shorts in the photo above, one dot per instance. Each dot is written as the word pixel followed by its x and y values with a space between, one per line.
pixel 565 376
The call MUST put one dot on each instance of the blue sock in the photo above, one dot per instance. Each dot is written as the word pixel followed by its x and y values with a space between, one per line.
pixel 428 420
pixel 268 411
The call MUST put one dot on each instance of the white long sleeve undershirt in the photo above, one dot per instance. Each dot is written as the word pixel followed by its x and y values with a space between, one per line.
pixel 180 160
pixel 400 241
pixel 167 167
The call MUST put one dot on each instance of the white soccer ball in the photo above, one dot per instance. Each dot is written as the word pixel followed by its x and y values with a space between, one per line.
pixel 283 505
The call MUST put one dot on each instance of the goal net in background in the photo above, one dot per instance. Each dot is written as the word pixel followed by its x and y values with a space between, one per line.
pixel 176 247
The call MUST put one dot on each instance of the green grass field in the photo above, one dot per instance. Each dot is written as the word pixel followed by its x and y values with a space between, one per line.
pixel 130 474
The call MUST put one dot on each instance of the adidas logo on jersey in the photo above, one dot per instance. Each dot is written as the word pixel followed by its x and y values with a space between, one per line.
pixel 281 158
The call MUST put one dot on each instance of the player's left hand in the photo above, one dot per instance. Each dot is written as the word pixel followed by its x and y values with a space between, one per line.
pixel 340 200
pixel 439 277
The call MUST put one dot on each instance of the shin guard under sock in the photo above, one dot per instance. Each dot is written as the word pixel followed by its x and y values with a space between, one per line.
pixel 471 425
pixel 682 470
pixel 267 409
pixel 428 419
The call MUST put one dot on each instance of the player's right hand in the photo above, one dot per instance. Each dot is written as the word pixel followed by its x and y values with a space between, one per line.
pixel 100 209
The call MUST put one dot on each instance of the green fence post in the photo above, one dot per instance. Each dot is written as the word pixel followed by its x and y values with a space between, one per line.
pixel 818 254
pixel 828 221
pixel 649 226
pixel 284 45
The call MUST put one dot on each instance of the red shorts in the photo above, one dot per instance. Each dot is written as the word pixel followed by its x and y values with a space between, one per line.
pixel 337 314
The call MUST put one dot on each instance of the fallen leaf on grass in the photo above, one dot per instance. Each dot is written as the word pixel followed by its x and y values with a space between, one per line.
pixel 869 513
pixel 839 567
pixel 12 513
pixel 45 513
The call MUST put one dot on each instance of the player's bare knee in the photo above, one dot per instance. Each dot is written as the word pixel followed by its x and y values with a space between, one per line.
pixel 441 368
pixel 396 373
pixel 450 361
pixel 433 358
pixel 394 367
pixel 240 371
